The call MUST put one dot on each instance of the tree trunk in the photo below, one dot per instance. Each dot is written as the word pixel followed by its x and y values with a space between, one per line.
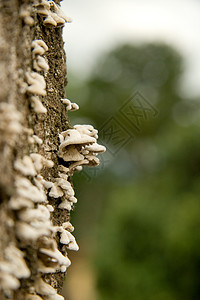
pixel 32 84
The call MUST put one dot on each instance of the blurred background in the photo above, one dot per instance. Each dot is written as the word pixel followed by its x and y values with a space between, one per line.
pixel 134 70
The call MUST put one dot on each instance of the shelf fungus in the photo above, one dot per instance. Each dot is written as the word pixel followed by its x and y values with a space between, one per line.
pixel 52 13
pixel 10 123
pixel 51 258
pixel 79 146
pixel 39 47
pixel 69 105
pixel 25 166
pixel 25 14
pixel 12 268
pixel 36 83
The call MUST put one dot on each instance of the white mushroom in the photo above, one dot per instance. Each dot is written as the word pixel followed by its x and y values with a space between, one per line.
pixel 49 20
pixel 93 161
pixel 69 105
pixel 87 129
pixel 78 168
pixel 38 106
pixel 68 239
pixel 42 11
pixel 37 84
pixel 8 281
pixel 10 122
pixel 66 186
pixel 64 239
pixel 55 8
pixel 43 288
pixel 73 137
pixel 64 176
pixel 41 213
pixel 72 199
pixel 74 165
pixel 25 166
pixel 40 64
pixel 56 191
pixel 40 161
pixel 72 154
pixel 37 139
pixel 57 255
pixel 68 226
pixel 39 47
pixel 24 13
pixel 27 190
pixel 95 148
pixel 17 203
pixel 45 269
pixel 18 267
pixel 63 169
pixel 50 208
pixel 54 297
pixel 65 204
pixel 59 21
pixel 29 233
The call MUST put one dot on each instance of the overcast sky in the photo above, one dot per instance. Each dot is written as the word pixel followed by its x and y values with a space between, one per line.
pixel 100 25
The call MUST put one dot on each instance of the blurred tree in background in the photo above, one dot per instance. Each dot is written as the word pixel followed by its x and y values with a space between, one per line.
pixel 139 213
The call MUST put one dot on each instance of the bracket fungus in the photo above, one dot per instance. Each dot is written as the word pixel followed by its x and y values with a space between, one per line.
pixel 12 269
pixel 25 166
pixel 71 140
pixel 43 288
pixel 36 83
pixel 79 146
pixel 69 105
pixel 25 189
pixel 52 13
pixel 10 123
pixel 40 64
pixel 39 47
pixel 25 14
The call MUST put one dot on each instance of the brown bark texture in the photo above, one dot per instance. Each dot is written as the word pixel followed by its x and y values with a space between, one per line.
pixel 20 24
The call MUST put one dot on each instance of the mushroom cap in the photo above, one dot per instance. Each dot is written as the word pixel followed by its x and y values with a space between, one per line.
pixel 68 226
pixel 65 204
pixel 87 129
pixel 43 288
pixel 50 20
pixel 39 47
pixel 56 191
pixel 17 203
pixel 74 137
pixel 72 154
pixel 92 161
pixel 95 148
pixel 76 164
pixel 41 10
pixel 59 20
pixel 8 281
pixel 56 254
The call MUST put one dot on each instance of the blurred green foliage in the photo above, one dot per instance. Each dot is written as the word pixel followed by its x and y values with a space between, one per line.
pixel 143 205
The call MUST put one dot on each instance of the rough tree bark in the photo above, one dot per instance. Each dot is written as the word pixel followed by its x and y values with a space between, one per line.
pixel 16 59
pixel 36 193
